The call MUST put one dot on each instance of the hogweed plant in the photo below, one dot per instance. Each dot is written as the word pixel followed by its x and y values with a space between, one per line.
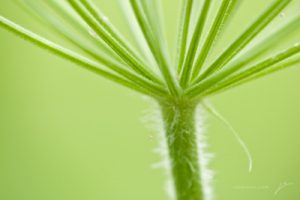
pixel 178 85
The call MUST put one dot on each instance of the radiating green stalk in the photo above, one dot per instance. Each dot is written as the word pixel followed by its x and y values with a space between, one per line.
pixel 179 124
pixel 152 11
pixel 203 87
pixel 85 32
pixel 271 70
pixel 255 76
pixel 224 10
pixel 194 44
pixel 238 44
pixel 137 34
pixel 156 47
pixel 263 45
pixel 56 23
pixel 116 67
pixel 258 49
pixel 72 56
pixel 107 26
pixel 183 33
pixel 256 69
pixel 113 43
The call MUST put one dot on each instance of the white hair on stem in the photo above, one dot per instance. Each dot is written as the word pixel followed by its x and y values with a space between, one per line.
pixel 204 156
pixel 153 120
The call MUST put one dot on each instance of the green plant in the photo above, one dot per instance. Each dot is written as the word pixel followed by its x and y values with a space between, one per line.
pixel 178 86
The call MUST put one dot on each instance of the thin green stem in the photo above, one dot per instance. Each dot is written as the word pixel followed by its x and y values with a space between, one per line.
pixel 107 26
pixel 156 47
pixel 130 59
pixel 262 46
pixel 221 80
pixel 223 12
pixel 74 57
pixel 251 54
pixel 194 44
pixel 152 11
pixel 254 29
pixel 60 8
pixel 82 44
pixel 263 73
pixel 258 68
pixel 137 34
pixel 183 33
pixel 179 125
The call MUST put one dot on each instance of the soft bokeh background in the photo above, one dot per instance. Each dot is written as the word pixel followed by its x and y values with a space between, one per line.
pixel 66 134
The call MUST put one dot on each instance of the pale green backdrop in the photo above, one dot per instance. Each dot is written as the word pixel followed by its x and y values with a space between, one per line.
pixel 66 134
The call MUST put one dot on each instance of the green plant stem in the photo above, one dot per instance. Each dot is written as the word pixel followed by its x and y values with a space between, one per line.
pixel 279 67
pixel 218 24
pixel 194 44
pixel 156 46
pixel 179 125
pixel 183 33
pixel 79 26
pixel 244 39
pixel 90 50
pixel 131 60
pixel 72 56
pixel 224 78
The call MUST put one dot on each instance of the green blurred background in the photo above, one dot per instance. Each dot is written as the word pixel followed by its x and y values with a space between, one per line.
pixel 66 134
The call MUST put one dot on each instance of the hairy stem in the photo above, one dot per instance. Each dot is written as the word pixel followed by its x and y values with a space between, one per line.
pixel 179 124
